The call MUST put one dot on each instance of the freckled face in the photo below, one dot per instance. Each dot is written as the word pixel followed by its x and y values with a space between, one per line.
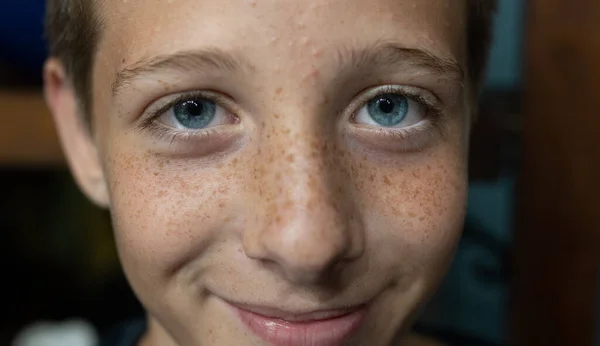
pixel 296 156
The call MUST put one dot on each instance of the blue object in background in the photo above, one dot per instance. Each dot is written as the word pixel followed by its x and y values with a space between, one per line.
pixel 473 299
pixel 504 68
pixel 21 34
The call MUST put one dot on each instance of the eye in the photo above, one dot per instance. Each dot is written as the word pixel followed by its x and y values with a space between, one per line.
pixel 391 110
pixel 195 113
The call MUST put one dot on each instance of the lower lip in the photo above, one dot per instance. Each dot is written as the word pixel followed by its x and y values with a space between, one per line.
pixel 328 332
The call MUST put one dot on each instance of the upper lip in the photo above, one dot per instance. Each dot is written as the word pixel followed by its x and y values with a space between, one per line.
pixel 298 316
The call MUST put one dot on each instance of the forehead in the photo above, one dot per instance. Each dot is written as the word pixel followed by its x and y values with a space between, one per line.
pixel 278 29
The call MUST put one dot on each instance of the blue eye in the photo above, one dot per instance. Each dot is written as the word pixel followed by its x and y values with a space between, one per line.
pixel 388 109
pixel 195 113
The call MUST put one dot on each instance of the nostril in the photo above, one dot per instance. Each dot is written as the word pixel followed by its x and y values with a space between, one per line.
pixel 309 262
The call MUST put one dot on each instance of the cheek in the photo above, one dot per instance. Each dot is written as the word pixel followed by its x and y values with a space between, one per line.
pixel 416 206
pixel 165 210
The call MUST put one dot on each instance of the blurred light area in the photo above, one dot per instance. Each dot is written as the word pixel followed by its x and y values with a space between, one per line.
pixel 69 333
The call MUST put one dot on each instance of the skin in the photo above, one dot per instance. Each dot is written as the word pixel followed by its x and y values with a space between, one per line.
pixel 290 202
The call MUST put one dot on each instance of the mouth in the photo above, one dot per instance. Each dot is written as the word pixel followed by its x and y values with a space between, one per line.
pixel 315 328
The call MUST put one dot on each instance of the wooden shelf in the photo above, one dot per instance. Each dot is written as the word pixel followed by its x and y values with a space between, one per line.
pixel 27 133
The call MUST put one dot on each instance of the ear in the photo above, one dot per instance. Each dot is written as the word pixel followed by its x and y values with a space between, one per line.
pixel 77 141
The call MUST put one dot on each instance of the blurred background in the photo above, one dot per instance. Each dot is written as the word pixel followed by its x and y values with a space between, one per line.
pixel 526 272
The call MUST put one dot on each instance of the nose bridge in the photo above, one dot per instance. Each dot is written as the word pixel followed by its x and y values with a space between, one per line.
pixel 306 229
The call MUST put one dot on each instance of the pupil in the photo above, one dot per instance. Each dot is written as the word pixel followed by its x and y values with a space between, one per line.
pixel 194 108
pixel 386 105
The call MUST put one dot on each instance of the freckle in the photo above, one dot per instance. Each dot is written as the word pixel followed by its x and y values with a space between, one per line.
pixel 235 161
pixel 386 180
pixel 164 84
pixel 361 185
pixel 290 158
pixel 278 91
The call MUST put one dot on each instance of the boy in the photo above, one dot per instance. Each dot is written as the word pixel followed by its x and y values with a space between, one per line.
pixel 279 172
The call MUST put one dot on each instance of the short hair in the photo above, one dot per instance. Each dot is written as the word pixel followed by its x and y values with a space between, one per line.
pixel 73 29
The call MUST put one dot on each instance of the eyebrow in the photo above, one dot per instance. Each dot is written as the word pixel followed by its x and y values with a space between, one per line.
pixel 195 60
pixel 386 54
pixel 393 54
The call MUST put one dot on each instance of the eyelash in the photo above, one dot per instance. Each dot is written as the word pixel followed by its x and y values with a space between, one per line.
pixel 164 132
pixel 433 110
pixel 431 107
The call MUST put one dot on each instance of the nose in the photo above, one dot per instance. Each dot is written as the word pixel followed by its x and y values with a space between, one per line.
pixel 307 226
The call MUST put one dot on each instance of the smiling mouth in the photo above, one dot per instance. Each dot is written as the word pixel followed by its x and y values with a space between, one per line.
pixel 316 328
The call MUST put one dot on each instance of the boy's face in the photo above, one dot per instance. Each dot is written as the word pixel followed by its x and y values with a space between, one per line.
pixel 272 163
